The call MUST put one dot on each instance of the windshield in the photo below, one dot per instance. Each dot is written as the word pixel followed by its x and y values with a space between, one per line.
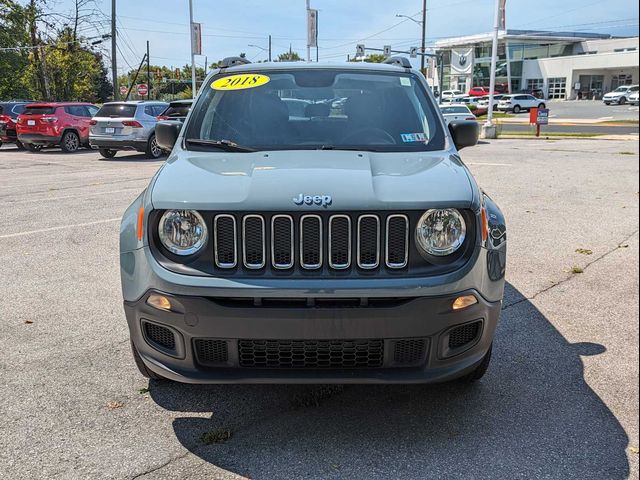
pixel 39 110
pixel 622 89
pixel 313 109
pixel 117 110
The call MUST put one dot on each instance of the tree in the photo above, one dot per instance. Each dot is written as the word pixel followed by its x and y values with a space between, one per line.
pixel 289 56
pixel 373 58
pixel 13 63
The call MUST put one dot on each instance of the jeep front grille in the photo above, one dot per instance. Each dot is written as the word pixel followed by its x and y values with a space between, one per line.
pixel 311 242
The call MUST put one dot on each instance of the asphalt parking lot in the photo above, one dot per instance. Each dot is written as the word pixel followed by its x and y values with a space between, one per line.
pixel 560 399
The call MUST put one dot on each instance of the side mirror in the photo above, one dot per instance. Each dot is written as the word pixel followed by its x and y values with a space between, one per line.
pixel 167 133
pixel 465 133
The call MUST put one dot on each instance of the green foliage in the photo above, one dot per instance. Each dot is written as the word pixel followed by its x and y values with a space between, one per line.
pixel 13 64
pixel 373 58
pixel 65 67
pixel 289 56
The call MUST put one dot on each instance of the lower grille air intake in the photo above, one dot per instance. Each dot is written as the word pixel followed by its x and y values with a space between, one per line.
pixel 211 351
pixel 159 335
pixel 461 336
pixel 411 351
pixel 311 353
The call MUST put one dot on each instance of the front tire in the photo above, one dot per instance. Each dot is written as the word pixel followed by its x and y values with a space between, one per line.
pixel 622 101
pixel 480 370
pixel 142 368
pixel 153 149
pixel 107 153
pixel 70 142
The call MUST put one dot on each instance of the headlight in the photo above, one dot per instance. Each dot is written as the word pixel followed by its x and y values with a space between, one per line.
pixel 441 232
pixel 182 232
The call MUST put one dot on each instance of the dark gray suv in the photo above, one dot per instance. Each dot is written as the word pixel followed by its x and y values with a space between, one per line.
pixel 347 243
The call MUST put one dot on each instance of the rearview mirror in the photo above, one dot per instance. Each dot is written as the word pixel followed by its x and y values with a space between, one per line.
pixel 465 133
pixel 167 133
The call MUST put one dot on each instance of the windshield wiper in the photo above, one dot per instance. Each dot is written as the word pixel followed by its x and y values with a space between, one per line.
pixel 345 147
pixel 226 145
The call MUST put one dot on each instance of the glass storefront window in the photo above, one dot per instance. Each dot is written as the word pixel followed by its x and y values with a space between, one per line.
pixel 532 52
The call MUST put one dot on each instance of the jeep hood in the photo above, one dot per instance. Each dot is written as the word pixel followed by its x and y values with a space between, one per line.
pixel 269 181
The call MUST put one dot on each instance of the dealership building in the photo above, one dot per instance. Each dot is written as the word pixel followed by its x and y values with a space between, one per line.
pixel 565 65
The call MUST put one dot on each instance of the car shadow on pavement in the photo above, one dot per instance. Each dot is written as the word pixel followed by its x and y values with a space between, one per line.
pixel 532 416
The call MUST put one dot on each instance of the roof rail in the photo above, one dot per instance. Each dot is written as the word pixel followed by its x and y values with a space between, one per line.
pixel 398 61
pixel 233 61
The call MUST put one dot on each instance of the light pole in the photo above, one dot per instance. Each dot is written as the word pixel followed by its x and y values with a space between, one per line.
pixel 489 129
pixel 193 62
pixel 422 24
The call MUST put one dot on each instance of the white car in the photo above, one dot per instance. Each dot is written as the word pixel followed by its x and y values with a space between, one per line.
pixel 620 95
pixel 451 94
pixel 518 103
pixel 483 102
pixel 455 112
pixel 633 98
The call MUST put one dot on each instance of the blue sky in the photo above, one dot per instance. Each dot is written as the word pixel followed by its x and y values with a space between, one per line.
pixel 229 27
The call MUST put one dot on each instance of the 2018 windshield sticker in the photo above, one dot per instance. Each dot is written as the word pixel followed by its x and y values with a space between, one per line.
pixel 240 82
pixel 413 137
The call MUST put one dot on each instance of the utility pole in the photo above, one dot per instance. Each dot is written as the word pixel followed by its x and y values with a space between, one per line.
pixel 489 129
pixel 148 73
pixel 269 47
pixel 193 62
pixel 424 37
pixel 114 63
pixel 308 44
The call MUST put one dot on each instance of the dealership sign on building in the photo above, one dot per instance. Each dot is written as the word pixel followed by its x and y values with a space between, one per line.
pixel 462 61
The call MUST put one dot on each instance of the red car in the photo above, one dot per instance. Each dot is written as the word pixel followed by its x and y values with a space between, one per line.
pixel 480 92
pixel 56 123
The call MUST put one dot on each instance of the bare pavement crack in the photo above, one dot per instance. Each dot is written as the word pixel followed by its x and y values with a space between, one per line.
pixel 161 466
pixel 570 277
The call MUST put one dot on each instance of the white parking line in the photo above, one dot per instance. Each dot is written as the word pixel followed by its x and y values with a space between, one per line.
pixel 62 227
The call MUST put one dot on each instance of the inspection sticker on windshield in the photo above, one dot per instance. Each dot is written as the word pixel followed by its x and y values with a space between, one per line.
pixel 240 82
pixel 413 137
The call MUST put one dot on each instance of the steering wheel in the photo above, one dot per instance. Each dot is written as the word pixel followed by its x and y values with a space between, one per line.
pixel 374 135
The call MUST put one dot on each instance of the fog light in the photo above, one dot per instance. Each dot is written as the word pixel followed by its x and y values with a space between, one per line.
pixel 159 301
pixel 464 301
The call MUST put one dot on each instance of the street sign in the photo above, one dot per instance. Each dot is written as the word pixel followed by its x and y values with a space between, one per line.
pixel 360 50
pixel 413 52
pixel 142 89
pixel 387 50
pixel 196 35
pixel 312 28
pixel 543 116
pixel 123 90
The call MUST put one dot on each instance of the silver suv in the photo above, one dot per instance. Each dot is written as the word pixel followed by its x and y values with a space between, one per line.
pixel 346 243
pixel 127 126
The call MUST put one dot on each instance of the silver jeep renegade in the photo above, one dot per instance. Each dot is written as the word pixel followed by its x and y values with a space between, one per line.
pixel 344 242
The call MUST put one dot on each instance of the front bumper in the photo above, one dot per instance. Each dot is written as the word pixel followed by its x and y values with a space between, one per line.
pixel 426 320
